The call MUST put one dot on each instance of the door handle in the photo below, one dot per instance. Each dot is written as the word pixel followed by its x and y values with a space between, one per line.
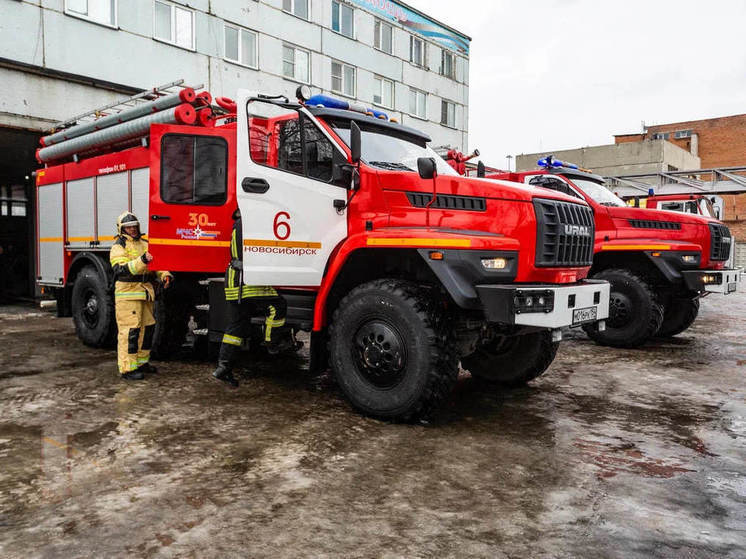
pixel 155 217
pixel 254 186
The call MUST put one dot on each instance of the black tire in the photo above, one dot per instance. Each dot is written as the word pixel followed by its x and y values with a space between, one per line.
pixel 634 312
pixel 93 309
pixel 512 361
pixel 392 351
pixel 173 307
pixel 678 315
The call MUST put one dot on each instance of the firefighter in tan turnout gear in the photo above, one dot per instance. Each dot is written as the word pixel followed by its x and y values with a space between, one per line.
pixel 134 295
pixel 245 301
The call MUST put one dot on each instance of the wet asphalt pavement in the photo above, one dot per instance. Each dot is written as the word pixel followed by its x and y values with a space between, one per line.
pixel 612 453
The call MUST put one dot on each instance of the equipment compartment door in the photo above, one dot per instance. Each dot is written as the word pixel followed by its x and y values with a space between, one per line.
pixel 192 198
pixel 287 189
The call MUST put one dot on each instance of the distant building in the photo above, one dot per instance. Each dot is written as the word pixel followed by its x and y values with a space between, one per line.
pixel 718 142
pixel 650 156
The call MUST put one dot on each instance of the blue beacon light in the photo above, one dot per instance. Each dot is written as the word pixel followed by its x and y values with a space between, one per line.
pixel 334 103
pixel 550 161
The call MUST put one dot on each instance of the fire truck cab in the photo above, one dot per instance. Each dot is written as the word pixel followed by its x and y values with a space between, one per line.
pixel 399 267
pixel 697 204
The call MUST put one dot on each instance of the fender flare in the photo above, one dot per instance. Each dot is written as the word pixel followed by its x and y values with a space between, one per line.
pixel 102 266
pixel 457 277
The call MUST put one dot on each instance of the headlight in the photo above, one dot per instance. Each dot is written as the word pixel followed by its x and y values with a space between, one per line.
pixel 712 279
pixel 689 258
pixel 494 263
pixel 533 301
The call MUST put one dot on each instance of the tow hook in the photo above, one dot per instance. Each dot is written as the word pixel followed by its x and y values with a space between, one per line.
pixel 556 334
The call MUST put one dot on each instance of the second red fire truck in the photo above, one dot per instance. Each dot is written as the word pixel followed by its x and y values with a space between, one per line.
pixel 659 263
pixel 398 266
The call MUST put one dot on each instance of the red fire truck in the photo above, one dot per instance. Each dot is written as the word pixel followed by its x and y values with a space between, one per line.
pixel 398 266
pixel 659 263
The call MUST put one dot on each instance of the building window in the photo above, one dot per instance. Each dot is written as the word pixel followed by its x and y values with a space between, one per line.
pixel 295 63
pixel 661 136
pixel 417 103
pixel 383 37
pixel 343 79
pixel 100 11
pixel 342 21
pixel 416 51
pixel 240 46
pixel 383 92
pixel 680 134
pixel 174 24
pixel 448 113
pixel 448 64
pixel 296 7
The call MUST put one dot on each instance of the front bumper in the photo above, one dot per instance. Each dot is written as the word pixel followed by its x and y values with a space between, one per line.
pixel 713 281
pixel 572 304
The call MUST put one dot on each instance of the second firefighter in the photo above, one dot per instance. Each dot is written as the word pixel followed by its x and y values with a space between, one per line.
pixel 244 302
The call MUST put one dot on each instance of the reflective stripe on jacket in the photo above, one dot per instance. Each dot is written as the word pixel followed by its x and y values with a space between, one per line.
pixel 235 289
pixel 133 279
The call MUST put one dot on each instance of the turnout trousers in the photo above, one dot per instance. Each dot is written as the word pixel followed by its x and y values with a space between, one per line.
pixel 136 325
pixel 238 322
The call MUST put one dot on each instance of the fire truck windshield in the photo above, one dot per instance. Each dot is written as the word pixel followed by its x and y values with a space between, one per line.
pixel 600 194
pixel 390 151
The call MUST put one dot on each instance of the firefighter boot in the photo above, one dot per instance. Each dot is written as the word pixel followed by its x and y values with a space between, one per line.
pixel 133 375
pixel 147 368
pixel 224 373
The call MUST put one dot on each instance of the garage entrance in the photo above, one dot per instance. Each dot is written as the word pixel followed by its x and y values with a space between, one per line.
pixel 17 211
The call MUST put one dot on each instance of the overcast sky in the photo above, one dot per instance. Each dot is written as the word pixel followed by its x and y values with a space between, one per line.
pixel 547 75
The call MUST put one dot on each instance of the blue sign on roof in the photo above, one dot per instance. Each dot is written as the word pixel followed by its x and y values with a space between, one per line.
pixel 447 38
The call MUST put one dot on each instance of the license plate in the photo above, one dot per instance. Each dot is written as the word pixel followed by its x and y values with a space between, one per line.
pixel 731 287
pixel 588 314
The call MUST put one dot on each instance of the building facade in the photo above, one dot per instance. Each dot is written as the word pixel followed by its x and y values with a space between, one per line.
pixel 87 52
pixel 718 142
pixel 650 156
pixel 59 58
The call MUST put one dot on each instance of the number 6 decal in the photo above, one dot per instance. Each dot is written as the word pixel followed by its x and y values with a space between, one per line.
pixel 281 226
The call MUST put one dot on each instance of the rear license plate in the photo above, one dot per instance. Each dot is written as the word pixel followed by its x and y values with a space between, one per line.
pixel 731 287
pixel 588 314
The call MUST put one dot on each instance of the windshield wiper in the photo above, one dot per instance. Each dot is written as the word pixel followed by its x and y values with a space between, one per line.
pixel 390 166
pixel 612 204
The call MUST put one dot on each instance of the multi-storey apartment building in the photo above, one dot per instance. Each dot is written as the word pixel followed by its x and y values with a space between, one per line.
pixel 59 58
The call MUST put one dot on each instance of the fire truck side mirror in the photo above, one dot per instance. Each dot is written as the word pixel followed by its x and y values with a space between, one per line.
pixel 355 141
pixel 426 167
pixel 342 172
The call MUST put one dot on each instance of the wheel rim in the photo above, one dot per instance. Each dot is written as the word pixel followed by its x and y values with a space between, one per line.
pixel 90 312
pixel 380 354
pixel 620 308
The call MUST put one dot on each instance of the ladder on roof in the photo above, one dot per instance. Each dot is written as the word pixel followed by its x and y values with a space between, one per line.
pixel 118 106
pixel 722 180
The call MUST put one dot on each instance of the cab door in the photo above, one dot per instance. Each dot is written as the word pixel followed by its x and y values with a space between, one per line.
pixel 288 193
pixel 192 198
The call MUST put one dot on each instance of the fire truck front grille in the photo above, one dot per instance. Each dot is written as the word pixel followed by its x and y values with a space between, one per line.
pixel 564 234
pixel 720 241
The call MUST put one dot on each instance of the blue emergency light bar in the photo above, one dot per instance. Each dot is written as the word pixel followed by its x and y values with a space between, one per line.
pixel 550 161
pixel 334 103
